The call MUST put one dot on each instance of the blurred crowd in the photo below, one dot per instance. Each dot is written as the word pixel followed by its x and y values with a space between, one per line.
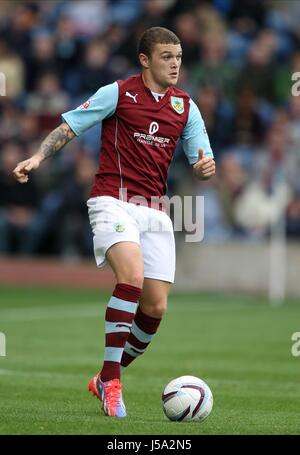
pixel 238 61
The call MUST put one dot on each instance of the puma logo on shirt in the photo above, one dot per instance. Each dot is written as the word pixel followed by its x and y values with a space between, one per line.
pixel 132 96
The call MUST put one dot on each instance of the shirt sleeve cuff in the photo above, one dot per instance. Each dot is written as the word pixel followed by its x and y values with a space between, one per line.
pixel 67 120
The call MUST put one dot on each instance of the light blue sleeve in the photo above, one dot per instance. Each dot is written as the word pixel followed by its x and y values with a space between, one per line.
pixel 101 105
pixel 194 135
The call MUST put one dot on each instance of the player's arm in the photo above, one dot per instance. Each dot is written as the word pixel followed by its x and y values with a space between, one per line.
pixel 54 142
pixel 75 122
pixel 196 145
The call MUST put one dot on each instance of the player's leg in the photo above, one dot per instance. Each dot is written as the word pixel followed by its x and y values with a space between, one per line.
pixel 116 240
pixel 152 306
pixel 158 248
pixel 126 261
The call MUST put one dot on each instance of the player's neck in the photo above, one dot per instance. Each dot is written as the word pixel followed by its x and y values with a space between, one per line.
pixel 152 85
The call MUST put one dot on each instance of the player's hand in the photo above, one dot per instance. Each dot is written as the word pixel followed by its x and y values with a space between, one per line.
pixel 205 166
pixel 24 167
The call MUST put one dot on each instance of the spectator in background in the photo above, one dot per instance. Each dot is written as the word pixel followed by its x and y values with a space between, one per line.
pixel 232 179
pixel 43 58
pixel 114 37
pixel 283 16
pixel 76 238
pixel 23 22
pixel 217 226
pixel 213 68
pixel 248 15
pixel 120 63
pixel 156 13
pixel 28 128
pixel 294 119
pixel 68 48
pixel 10 115
pixel 186 27
pixel 218 117
pixel 48 101
pixel 258 72
pixel 293 216
pixel 125 13
pixel 17 207
pixel 126 49
pixel 184 81
pixel 12 66
pixel 6 11
pixel 293 145
pixel 68 54
pixel 264 199
pixel 273 158
pixel 248 127
pixel 95 67
pixel 89 17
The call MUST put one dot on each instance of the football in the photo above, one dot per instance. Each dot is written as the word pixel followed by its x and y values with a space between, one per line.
pixel 186 399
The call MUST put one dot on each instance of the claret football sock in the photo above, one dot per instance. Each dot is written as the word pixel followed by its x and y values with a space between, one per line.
pixel 142 331
pixel 118 320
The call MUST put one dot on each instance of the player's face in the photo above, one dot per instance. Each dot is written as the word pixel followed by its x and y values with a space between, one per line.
pixel 164 64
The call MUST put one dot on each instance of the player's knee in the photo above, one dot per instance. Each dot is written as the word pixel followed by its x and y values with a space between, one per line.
pixel 160 310
pixel 157 309
pixel 134 279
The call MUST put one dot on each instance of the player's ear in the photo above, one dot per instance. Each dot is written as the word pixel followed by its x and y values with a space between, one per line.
pixel 144 60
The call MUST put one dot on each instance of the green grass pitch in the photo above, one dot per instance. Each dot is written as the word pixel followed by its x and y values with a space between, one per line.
pixel 239 345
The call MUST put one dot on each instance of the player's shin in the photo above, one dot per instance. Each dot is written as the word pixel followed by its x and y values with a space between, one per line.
pixel 142 331
pixel 118 320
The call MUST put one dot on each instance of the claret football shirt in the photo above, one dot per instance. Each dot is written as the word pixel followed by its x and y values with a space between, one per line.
pixel 139 136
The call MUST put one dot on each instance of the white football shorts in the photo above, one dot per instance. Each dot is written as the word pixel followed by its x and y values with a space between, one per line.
pixel 113 221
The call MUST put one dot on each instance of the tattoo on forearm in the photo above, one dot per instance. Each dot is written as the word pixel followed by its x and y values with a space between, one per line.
pixel 56 140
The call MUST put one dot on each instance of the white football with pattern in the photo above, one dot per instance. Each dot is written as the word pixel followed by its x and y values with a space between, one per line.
pixel 186 399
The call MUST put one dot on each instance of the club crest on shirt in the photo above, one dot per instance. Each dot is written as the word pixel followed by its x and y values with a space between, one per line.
pixel 86 104
pixel 119 227
pixel 177 104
